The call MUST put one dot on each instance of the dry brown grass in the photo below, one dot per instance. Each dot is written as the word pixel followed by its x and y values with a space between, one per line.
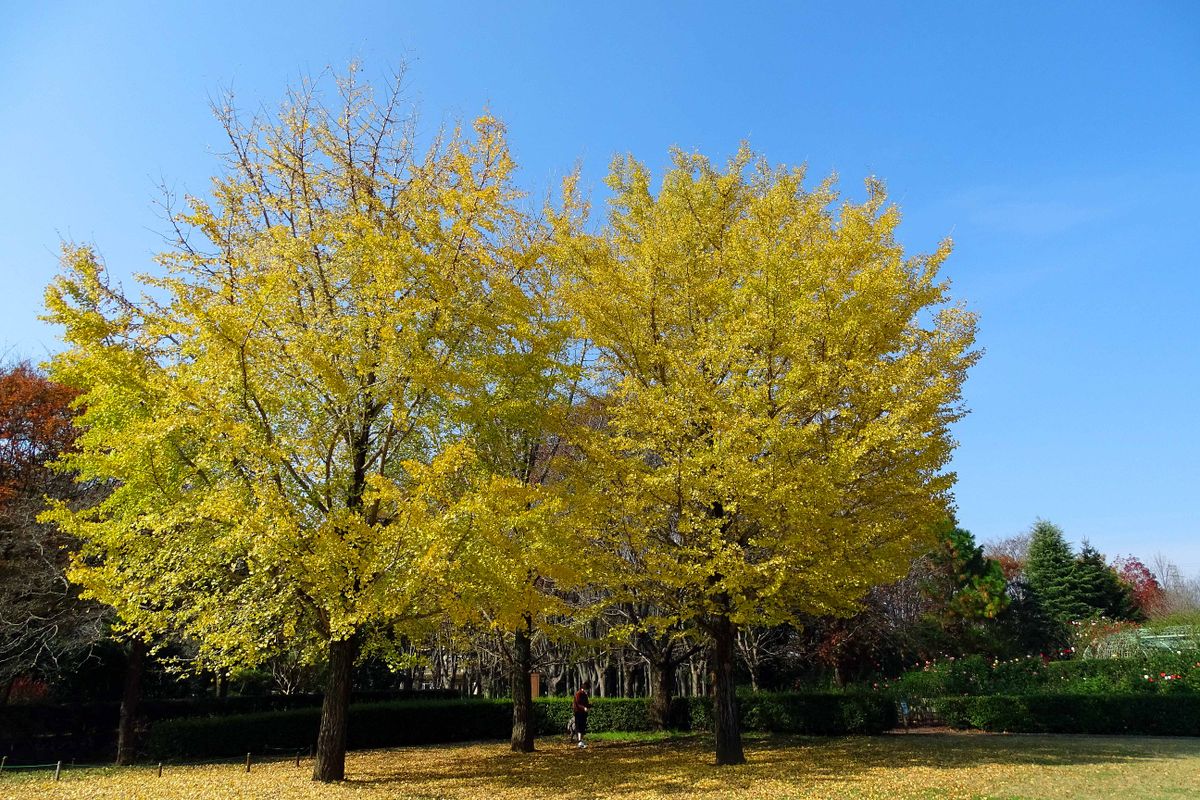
pixel 896 766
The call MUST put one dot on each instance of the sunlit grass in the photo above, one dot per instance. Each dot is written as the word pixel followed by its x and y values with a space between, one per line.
pixel 893 766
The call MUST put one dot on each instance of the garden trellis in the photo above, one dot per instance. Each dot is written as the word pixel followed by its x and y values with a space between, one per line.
pixel 1137 642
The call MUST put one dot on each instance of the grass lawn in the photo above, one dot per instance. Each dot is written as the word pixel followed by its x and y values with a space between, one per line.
pixel 893 766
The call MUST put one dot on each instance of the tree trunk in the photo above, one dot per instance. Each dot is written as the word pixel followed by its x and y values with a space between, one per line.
pixel 132 693
pixel 662 675
pixel 331 740
pixel 522 692
pixel 725 710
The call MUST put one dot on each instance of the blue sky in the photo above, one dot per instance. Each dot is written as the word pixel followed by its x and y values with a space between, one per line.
pixel 1059 144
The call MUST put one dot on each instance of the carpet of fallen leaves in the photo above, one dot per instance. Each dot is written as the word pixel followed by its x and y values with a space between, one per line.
pixel 893 766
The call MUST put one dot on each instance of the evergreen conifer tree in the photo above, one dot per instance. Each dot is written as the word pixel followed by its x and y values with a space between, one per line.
pixel 1097 586
pixel 1050 573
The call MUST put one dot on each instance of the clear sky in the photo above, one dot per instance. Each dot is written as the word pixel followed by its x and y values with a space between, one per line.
pixel 1058 143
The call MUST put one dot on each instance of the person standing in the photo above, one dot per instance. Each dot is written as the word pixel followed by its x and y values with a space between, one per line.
pixel 581 705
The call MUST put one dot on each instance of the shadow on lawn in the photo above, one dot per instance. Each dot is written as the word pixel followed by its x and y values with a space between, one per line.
pixel 682 766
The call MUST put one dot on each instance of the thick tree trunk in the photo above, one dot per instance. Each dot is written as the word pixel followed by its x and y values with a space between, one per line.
pixel 725 710
pixel 331 740
pixel 522 693
pixel 662 674
pixel 130 695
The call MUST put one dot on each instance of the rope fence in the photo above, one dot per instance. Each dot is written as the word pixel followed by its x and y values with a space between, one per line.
pixel 270 755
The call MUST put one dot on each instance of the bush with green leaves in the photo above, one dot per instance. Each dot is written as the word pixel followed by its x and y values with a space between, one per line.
pixel 818 714
pixel 429 722
pixel 607 714
pixel 1154 674
pixel 1157 715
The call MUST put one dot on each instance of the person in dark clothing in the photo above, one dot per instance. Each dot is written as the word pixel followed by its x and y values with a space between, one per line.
pixel 581 705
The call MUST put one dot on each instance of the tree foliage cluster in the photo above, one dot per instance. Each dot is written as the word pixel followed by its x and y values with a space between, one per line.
pixel 1079 586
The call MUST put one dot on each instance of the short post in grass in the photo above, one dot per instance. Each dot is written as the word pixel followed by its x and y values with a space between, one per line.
pixel 57 770
pixel 298 752
pixel 3 761
pixel 247 762
pixel 160 769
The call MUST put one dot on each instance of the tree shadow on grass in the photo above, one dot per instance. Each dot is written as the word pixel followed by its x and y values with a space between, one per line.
pixel 686 766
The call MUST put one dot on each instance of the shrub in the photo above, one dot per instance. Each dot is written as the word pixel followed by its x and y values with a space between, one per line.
pixel 968 675
pixel 370 725
pixel 49 732
pixel 818 714
pixel 428 722
pixel 607 714
pixel 1153 674
pixel 1065 713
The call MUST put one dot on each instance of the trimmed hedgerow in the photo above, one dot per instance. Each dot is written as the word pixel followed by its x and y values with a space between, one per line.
pixel 1160 715
pixel 818 714
pixel 370 725
pixel 87 731
pixel 407 723
pixel 1152 674
pixel 825 715
pixel 607 714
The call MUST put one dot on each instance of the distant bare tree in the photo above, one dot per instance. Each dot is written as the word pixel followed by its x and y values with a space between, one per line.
pixel 1011 553
pixel 1180 594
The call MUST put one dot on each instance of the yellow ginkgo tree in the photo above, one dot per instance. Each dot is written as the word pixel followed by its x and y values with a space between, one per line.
pixel 521 547
pixel 779 381
pixel 284 414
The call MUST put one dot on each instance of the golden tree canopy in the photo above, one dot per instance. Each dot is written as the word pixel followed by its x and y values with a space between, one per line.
pixel 289 415
pixel 778 380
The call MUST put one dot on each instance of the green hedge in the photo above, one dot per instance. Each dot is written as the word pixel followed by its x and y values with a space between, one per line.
pixel 607 714
pixel 406 723
pixel 1177 715
pixel 974 675
pixel 823 715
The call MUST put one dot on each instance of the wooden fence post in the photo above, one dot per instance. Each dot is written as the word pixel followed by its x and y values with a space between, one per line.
pixel 160 769
pixel 57 770
pixel 247 762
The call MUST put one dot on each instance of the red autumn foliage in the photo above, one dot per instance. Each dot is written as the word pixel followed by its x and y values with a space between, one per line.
pixel 1147 593
pixel 35 426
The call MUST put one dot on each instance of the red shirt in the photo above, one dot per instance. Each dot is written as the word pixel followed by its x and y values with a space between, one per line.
pixel 581 702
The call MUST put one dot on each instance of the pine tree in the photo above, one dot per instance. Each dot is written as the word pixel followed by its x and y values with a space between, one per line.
pixel 969 586
pixel 1098 586
pixel 1050 573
